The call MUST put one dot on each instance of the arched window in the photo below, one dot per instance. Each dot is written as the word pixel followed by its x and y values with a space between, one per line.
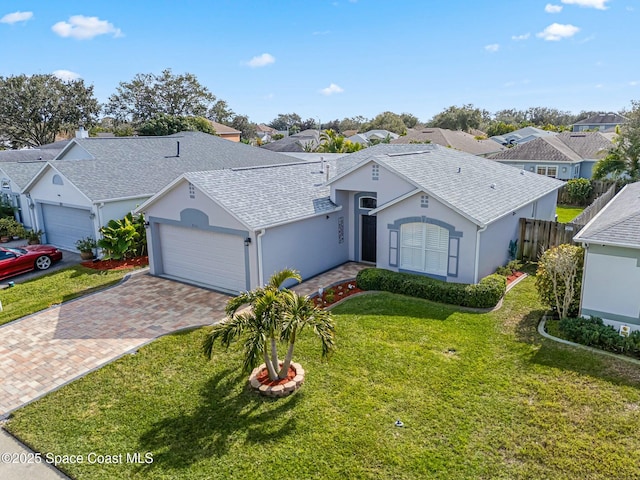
pixel 57 180
pixel 424 247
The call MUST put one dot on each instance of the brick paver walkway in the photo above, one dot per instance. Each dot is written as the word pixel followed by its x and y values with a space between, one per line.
pixel 44 351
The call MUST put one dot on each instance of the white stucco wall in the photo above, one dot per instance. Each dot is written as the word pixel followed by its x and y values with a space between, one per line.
pixel 66 194
pixel 75 152
pixel 387 187
pixel 611 285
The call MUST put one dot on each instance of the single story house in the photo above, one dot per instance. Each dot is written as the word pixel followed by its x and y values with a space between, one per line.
pixel 306 140
pixel 417 208
pixel 14 176
pixel 463 141
pixel 94 180
pixel 601 122
pixel 611 276
pixel 372 137
pixel 226 132
pixel 564 156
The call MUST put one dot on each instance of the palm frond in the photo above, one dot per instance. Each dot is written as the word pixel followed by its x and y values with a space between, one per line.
pixel 278 278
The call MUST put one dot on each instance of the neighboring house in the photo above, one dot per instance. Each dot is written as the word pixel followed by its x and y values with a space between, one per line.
pixel 463 141
pixel 94 180
pixel 265 133
pixel 564 156
pixel 601 122
pixel 226 132
pixel 611 277
pixel 416 208
pixel 372 137
pixel 521 136
pixel 304 141
pixel 17 168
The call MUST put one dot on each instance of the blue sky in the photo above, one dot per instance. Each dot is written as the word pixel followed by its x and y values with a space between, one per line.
pixel 335 59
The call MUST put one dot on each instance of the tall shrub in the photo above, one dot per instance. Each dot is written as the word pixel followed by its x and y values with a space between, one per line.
pixel 579 191
pixel 559 279
pixel 122 239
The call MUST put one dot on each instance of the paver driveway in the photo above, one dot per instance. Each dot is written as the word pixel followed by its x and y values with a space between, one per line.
pixel 41 352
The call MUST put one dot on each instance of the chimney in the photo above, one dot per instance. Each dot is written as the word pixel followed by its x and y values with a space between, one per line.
pixel 81 132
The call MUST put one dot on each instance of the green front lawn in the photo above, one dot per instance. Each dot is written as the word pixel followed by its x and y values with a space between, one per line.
pixel 480 395
pixel 567 213
pixel 56 287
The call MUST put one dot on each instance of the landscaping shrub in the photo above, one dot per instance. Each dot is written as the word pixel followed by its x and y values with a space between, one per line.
pixel 485 294
pixel 579 191
pixel 594 333
pixel 558 267
pixel 124 239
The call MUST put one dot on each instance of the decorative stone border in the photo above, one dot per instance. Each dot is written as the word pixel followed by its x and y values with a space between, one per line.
pixel 277 390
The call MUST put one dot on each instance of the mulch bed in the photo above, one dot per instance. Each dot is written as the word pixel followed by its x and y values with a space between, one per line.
pixel 117 264
pixel 263 377
pixel 336 293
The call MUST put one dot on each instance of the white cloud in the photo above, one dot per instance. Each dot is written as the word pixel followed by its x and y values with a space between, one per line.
pixel 84 28
pixel 549 8
pixel 331 89
pixel 518 38
pixel 598 4
pixel 261 60
pixel 66 75
pixel 557 31
pixel 16 17
pixel 494 47
pixel 634 83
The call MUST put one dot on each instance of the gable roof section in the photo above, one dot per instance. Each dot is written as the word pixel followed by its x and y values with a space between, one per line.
pixel 479 189
pixel 223 129
pixel 264 197
pixel 565 147
pixel 618 223
pixel 21 173
pixel 134 167
pixel 603 118
pixel 451 138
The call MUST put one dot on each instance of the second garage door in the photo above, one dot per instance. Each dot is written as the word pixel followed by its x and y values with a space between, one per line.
pixel 64 226
pixel 212 259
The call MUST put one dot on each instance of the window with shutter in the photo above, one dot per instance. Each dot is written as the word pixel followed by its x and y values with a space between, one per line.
pixel 424 247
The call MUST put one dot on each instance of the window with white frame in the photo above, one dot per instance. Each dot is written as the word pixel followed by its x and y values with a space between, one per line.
pixel 424 247
pixel 548 170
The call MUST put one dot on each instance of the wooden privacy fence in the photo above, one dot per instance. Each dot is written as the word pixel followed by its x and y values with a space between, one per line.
pixel 598 204
pixel 536 236
pixel 599 187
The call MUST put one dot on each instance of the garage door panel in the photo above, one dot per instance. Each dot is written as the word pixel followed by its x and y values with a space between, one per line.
pixel 64 226
pixel 204 257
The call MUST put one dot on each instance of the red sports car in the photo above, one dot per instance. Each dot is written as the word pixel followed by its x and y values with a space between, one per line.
pixel 17 260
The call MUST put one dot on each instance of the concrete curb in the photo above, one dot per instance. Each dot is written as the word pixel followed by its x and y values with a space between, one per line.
pixel 543 332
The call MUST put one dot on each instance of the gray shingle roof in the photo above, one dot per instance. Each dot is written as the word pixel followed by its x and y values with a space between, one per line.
pixel 618 223
pixel 21 172
pixel 266 196
pixel 451 138
pixel 612 118
pixel 141 166
pixel 565 147
pixel 478 188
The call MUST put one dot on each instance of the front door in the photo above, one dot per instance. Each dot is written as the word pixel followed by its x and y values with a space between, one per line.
pixel 368 236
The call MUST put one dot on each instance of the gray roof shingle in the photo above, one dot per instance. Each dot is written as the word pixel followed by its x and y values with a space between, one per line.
pixel 141 166
pixel 267 196
pixel 618 223
pixel 603 118
pixel 21 172
pixel 478 188
pixel 564 147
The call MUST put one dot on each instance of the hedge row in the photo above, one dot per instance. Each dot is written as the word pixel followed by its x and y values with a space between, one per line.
pixel 594 333
pixel 485 294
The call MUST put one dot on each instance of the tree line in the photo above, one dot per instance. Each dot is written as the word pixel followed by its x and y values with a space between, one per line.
pixel 36 109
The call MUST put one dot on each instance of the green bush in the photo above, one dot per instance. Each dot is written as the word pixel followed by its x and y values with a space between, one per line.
pixel 485 294
pixel 556 262
pixel 594 333
pixel 579 191
pixel 123 239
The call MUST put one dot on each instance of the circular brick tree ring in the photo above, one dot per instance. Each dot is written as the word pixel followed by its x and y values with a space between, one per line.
pixel 281 388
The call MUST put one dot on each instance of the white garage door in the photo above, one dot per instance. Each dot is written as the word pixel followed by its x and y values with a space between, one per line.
pixel 64 226
pixel 215 260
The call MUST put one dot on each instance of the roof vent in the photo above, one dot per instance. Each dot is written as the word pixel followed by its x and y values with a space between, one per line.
pixel 177 149
pixel 521 172
pixel 493 185
pixel 459 169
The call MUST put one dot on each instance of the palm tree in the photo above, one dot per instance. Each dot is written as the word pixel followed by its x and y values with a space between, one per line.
pixel 274 314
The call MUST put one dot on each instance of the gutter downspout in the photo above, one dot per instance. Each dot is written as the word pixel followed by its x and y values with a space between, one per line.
pixel 260 268
pixel 476 266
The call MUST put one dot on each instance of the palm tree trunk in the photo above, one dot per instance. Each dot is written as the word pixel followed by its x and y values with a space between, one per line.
pixel 273 375
pixel 274 354
pixel 287 361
